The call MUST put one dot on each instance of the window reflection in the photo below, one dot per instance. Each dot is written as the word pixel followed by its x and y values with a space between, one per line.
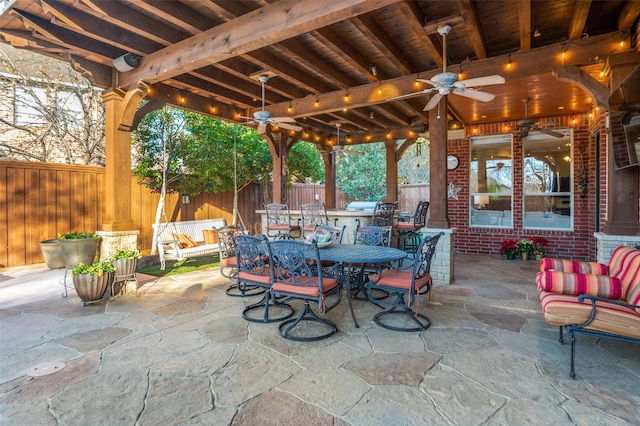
pixel 491 181
pixel 547 181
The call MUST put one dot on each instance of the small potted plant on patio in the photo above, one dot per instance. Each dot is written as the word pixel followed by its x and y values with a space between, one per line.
pixel 539 244
pixel 525 247
pixel 78 247
pixel 125 261
pixel 509 248
pixel 91 280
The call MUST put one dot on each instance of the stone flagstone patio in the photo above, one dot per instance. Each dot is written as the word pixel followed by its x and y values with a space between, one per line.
pixel 180 354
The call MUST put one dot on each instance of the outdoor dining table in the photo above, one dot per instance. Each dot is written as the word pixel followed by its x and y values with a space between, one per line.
pixel 351 255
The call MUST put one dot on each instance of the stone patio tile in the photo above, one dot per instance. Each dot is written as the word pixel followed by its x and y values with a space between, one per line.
pixel 175 399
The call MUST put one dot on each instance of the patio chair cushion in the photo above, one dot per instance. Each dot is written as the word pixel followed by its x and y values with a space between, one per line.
pixel 230 261
pixel 400 279
pixel 257 278
pixel 576 284
pixel 311 289
pixel 185 240
pixel 564 265
pixel 210 236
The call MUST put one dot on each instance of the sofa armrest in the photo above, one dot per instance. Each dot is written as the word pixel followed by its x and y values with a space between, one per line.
pixel 575 266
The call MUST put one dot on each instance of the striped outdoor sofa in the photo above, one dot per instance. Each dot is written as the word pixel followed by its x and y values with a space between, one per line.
pixel 592 298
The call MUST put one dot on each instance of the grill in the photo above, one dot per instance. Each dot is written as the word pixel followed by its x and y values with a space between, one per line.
pixel 355 206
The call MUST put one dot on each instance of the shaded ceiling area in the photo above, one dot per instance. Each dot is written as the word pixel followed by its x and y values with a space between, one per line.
pixel 355 62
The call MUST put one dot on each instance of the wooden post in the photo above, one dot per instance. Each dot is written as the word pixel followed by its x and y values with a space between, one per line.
pixel 438 166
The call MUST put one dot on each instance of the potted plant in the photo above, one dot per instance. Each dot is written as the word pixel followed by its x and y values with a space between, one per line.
pixel 539 244
pixel 125 262
pixel 509 248
pixel 525 247
pixel 78 247
pixel 91 280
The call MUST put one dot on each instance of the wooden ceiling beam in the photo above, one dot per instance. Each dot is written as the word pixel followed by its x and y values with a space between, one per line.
pixel 376 35
pixel 270 24
pixel 348 53
pixel 69 39
pixel 538 61
pixel 178 14
pixel 72 19
pixel 524 23
pixel 579 18
pixel 132 20
pixel 474 29
pixel 628 15
pixel 414 19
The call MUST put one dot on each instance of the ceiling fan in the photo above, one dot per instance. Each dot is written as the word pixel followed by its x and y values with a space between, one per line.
pixel 529 124
pixel 339 149
pixel 263 118
pixel 447 82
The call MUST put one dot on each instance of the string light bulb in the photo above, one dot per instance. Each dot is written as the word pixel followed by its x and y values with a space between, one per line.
pixel 346 96
pixel 380 88
pixel 509 61
pixel 317 103
pixel 289 108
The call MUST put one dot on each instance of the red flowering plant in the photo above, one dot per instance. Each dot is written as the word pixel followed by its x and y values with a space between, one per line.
pixel 539 243
pixel 509 247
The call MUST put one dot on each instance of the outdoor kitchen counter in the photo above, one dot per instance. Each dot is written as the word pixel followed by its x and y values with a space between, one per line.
pixel 345 217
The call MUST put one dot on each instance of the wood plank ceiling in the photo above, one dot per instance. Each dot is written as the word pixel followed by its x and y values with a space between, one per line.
pixel 332 61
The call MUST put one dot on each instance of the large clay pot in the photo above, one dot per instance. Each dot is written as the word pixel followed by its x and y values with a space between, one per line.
pixel 52 253
pixel 79 251
pixel 91 288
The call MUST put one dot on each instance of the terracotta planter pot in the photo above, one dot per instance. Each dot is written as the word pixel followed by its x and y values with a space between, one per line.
pixel 79 251
pixel 91 288
pixel 52 253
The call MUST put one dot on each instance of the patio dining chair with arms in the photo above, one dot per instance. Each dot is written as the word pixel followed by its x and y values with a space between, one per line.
pixel 370 236
pixel 407 286
pixel 313 215
pixel 226 238
pixel 299 274
pixel 253 258
pixel 408 228
pixel 279 224
pixel 384 214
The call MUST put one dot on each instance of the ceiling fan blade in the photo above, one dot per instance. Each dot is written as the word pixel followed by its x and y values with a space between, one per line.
pixel 483 81
pixel 284 119
pixel 524 132
pixel 431 82
pixel 551 133
pixel 433 102
pixel 475 94
pixel 289 126
pixel 547 124
pixel 409 95
pixel 262 129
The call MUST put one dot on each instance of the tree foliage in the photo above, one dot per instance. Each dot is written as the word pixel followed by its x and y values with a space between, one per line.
pixel 200 153
pixel 363 177
pixel 50 112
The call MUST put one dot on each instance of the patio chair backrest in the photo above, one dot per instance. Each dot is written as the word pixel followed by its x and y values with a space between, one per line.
pixel 383 213
pixel 252 254
pixel 420 217
pixel 373 235
pixel 313 214
pixel 226 240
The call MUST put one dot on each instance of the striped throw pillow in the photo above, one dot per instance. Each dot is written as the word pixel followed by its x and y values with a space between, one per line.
pixel 210 236
pixel 576 284
pixel 562 265
pixel 185 240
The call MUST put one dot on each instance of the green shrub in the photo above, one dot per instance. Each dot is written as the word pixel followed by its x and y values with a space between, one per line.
pixel 124 254
pixel 76 235
pixel 98 268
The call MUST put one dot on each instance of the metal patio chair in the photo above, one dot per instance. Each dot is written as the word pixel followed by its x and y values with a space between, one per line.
pixel 407 286
pixel 253 256
pixel 226 238
pixel 299 274
pixel 408 228
pixel 279 224
pixel 312 215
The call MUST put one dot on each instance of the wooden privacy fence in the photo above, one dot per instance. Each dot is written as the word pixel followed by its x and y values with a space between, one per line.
pixel 39 200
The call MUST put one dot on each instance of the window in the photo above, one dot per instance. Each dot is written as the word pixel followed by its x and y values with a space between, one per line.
pixel 547 182
pixel 70 107
pixel 30 103
pixel 491 182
